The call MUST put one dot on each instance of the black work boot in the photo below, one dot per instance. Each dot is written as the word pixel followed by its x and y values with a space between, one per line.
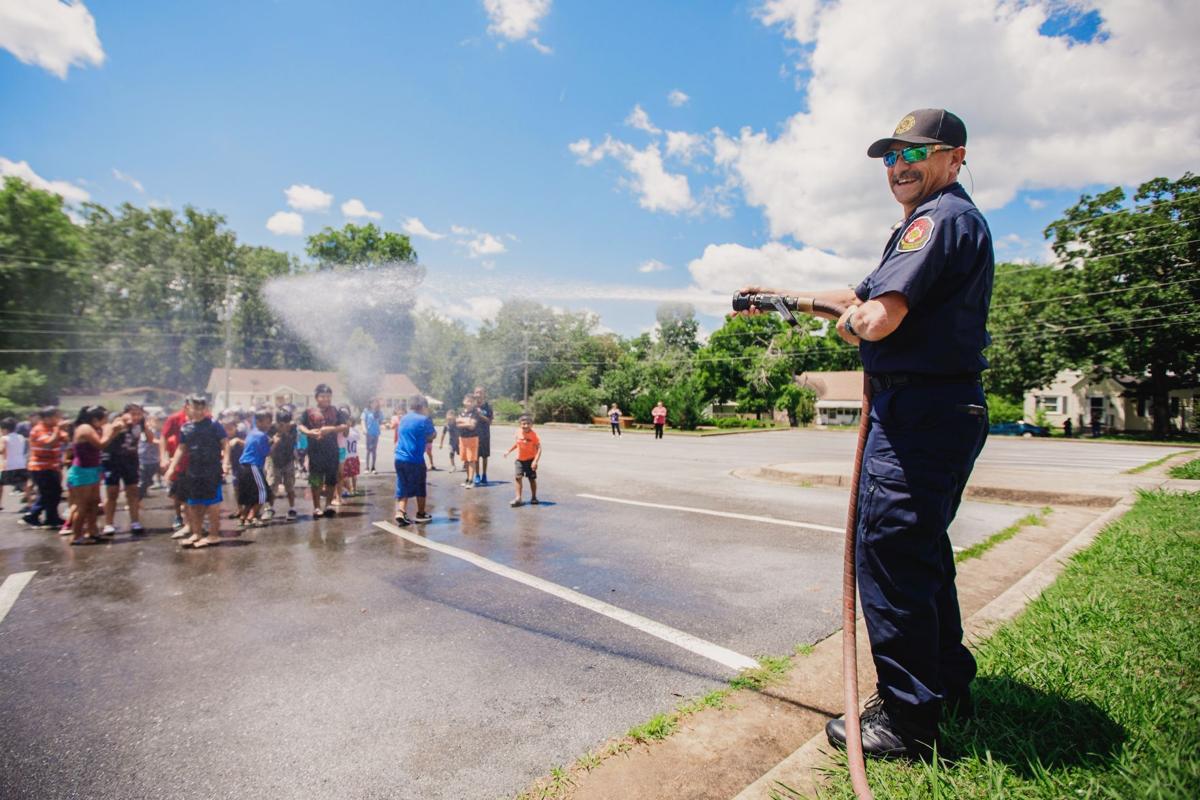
pixel 887 732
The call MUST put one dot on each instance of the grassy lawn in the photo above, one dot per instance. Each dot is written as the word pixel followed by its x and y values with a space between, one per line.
pixel 1189 471
pixel 1094 691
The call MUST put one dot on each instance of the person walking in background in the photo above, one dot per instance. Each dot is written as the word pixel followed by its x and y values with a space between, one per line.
pixel 372 420
pixel 467 423
pixel 46 441
pixel 659 415
pixel 450 429
pixel 529 453
pixel 121 467
pixel 13 449
pixel 281 466
pixel 89 439
pixel 204 448
pixel 252 491
pixel 413 433
pixel 485 434
pixel 614 419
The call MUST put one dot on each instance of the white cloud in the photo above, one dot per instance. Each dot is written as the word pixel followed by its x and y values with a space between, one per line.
pixel 459 230
pixel 132 181
pixel 303 197
pixel 414 227
pixel 472 310
pixel 1130 94
pixel 677 98
pixel 21 169
pixel 485 244
pixel 657 189
pixel 1035 203
pixel 517 20
pixel 638 118
pixel 652 265
pixel 544 49
pixel 286 223
pixel 724 268
pixel 50 34
pixel 354 209
pixel 684 145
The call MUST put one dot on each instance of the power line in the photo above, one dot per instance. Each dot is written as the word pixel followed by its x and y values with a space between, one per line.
pixel 1071 297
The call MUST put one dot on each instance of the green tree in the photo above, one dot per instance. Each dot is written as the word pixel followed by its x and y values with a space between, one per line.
pixel 260 339
pixel 1135 271
pixel 21 388
pixel 46 277
pixel 800 402
pixel 443 359
pixel 356 247
pixel 1026 309
pixel 677 326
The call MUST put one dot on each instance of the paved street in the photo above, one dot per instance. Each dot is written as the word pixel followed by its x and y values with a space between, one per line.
pixel 331 659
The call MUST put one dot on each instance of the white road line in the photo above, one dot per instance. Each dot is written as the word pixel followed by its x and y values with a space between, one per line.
pixel 727 514
pixel 12 587
pixel 700 647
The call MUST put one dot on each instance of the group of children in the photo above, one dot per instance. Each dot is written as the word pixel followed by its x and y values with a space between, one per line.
pixel 469 431
pixel 262 451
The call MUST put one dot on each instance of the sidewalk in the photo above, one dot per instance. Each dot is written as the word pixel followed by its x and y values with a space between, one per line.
pixel 741 749
pixel 1027 485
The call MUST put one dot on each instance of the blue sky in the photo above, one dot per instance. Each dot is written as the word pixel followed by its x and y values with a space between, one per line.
pixel 464 116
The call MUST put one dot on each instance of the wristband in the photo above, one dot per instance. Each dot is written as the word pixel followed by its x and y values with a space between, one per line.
pixel 850 326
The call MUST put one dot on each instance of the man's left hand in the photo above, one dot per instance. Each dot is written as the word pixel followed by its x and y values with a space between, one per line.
pixel 848 337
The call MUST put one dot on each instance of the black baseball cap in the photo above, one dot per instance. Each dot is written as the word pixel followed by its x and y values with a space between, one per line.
pixel 924 126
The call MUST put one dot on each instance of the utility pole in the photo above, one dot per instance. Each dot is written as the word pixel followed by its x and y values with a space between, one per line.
pixel 525 401
pixel 228 340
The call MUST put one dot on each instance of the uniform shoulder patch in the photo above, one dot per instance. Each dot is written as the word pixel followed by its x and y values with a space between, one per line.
pixel 916 235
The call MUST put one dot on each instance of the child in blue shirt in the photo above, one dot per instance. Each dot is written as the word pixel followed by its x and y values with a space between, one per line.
pixel 252 483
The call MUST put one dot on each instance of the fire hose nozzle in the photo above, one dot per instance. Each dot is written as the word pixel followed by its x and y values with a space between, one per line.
pixel 784 305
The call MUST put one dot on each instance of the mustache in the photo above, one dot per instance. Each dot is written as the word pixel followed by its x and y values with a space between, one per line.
pixel 905 175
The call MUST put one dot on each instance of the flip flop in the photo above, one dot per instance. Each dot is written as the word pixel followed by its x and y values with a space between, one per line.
pixel 204 543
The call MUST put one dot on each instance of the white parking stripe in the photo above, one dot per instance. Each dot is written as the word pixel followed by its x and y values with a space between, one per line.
pixel 727 514
pixel 12 587
pixel 700 647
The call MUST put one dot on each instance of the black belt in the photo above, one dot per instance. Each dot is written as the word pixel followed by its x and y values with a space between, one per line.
pixel 894 380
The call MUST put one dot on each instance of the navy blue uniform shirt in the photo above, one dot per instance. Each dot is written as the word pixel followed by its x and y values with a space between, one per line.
pixel 941 260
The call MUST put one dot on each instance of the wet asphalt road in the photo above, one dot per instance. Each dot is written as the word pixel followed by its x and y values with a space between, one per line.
pixel 329 659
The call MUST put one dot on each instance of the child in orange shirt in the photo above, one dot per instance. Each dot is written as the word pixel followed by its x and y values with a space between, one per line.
pixel 529 452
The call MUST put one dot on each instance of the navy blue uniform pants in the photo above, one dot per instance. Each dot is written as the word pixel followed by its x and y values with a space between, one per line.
pixel 920 452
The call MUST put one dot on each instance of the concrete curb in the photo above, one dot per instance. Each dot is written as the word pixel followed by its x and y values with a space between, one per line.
pixel 800 770
pixel 1002 494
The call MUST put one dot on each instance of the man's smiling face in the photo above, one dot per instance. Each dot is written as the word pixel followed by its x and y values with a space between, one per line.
pixel 912 183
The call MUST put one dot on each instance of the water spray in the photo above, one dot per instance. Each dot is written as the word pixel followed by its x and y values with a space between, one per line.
pixel 784 305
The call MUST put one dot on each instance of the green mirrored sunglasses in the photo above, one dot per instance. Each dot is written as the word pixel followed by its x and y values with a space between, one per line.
pixel 911 155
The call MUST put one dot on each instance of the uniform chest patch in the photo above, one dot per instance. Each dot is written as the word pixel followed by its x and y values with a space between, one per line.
pixel 916 235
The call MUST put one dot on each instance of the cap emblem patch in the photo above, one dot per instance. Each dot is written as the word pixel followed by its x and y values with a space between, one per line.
pixel 905 125
pixel 916 235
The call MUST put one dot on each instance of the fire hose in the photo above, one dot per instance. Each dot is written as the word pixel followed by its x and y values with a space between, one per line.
pixel 784 306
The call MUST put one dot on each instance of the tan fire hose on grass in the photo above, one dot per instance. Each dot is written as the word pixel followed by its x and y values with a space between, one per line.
pixel 854 749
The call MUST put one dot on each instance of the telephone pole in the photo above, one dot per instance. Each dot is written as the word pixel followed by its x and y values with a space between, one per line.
pixel 525 400
pixel 228 340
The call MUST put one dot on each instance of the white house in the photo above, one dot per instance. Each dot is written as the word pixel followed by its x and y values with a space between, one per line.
pixel 1119 404
pixel 839 395
pixel 274 387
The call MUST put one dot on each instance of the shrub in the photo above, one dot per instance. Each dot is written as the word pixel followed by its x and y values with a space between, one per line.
pixel 506 410
pixel 1002 409
pixel 686 404
pixel 572 402
pixel 729 423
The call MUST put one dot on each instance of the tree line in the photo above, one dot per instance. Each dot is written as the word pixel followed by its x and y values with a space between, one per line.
pixel 154 296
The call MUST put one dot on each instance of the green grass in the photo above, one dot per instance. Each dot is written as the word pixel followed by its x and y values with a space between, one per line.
pixel 1094 691
pixel 1151 464
pixel 1189 471
pixel 979 548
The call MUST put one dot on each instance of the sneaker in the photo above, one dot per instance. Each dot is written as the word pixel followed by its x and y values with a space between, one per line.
pixel 478 480
pixel 403 521
pixel 269 514
pixel 485 480
pixel 65 530
pixel 423 517
pixel 109 530
pixel 468 485
pixel 182 533
pixel 331 511
pixel 30 521
pixel 533 502
pixel 291 513
pixel 888 731
pixel 241 525
pixel 177 524
pixel 136 528
pixel 258 523
pixel 515 503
